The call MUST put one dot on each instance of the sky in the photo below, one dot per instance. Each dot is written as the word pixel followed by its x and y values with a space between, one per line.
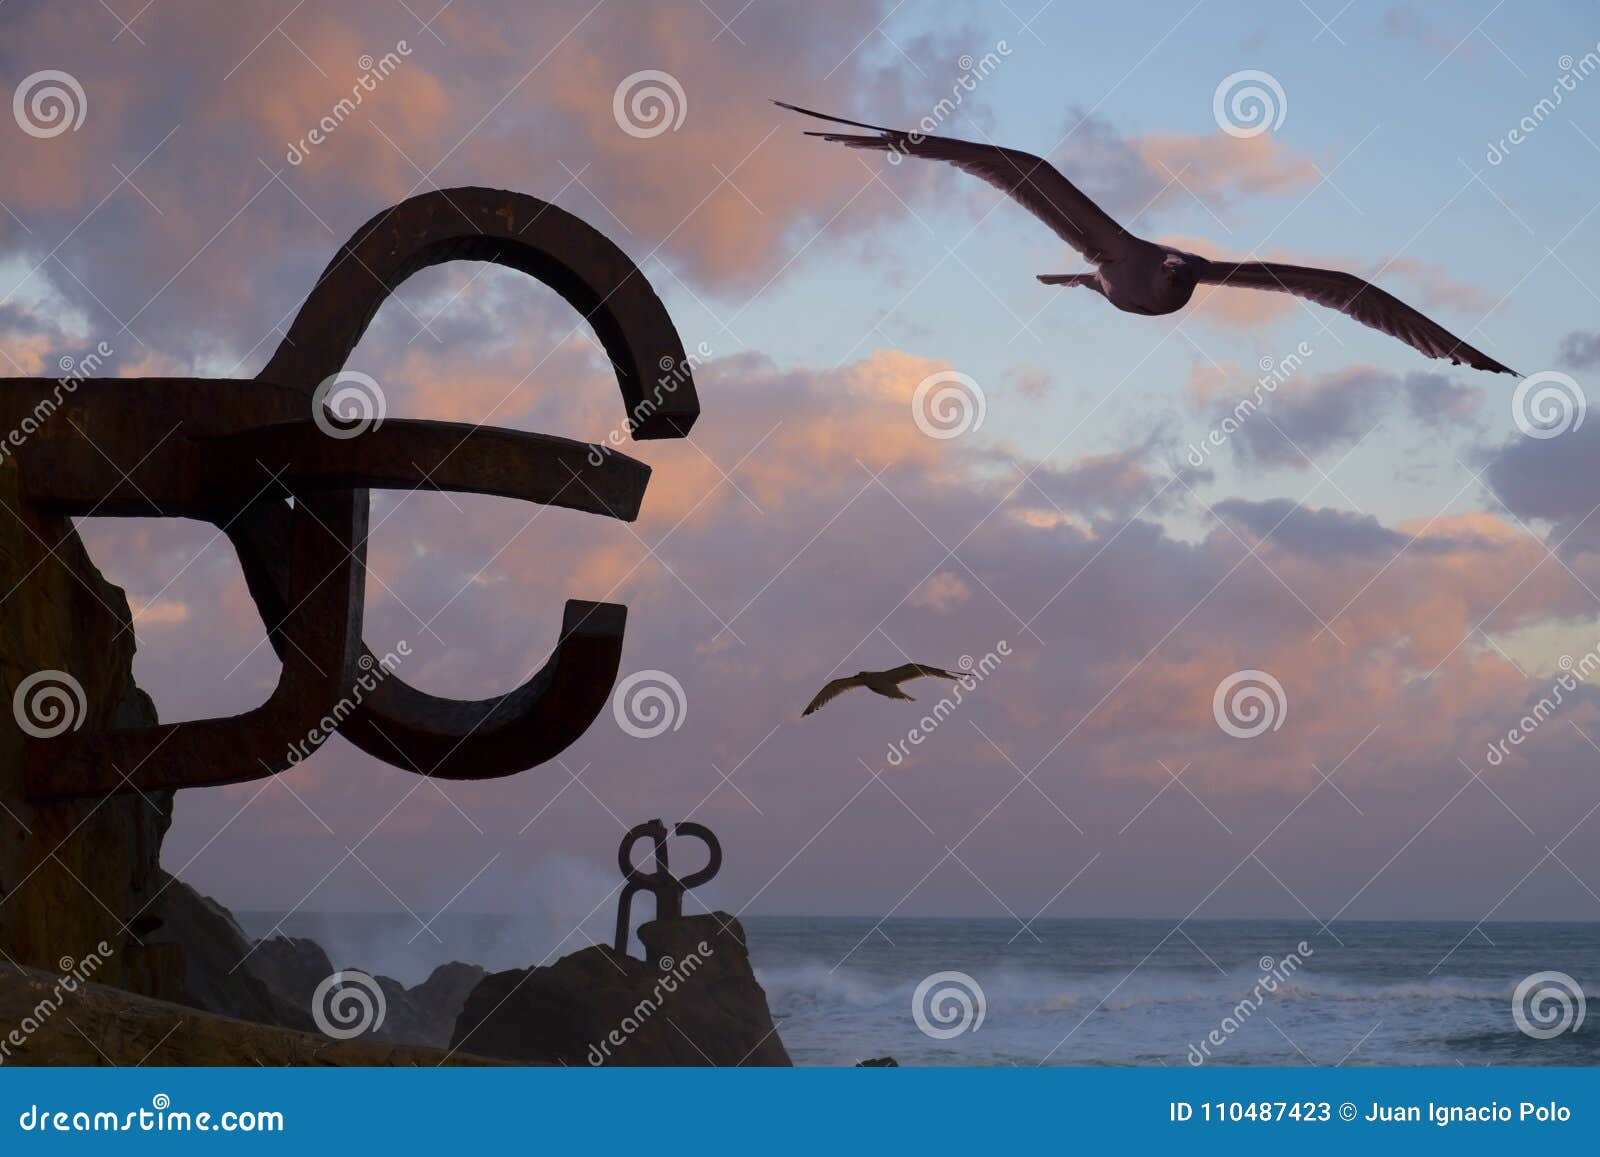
pixel 1396 552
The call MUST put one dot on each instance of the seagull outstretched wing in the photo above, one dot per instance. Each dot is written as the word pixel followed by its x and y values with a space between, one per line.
pixel 917 671
pixel 1031 180
pixel 832 691
pixel 1357 298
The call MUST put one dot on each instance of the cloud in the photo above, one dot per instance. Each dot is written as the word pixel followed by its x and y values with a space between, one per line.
pixel 942 593
pixel 204 128
pixel 1580 350
pixel 1403 21
pixel 1327 533
pixel 809 527
pixel 1130 177
pixel 1306 418
pixel 1434 286
pixel 1119 632
pixel 1551 481
pixel 158 612
pixel 1288 423
pixel 1111 486
pixel 1435 400
pixel 1031 381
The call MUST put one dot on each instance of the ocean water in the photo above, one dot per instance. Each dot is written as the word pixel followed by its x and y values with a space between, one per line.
pixel 1134 992
pixel 1102 992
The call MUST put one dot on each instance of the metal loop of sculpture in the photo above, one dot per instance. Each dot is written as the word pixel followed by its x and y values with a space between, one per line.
pixel 252 456
pixel 667 888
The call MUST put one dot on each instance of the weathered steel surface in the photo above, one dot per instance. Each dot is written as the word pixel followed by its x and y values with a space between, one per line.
pixel 251 457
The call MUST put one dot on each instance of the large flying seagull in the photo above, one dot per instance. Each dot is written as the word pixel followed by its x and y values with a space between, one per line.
pixel 1140 276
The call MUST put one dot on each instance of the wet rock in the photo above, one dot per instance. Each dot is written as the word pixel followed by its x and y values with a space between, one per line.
pixel 699 1004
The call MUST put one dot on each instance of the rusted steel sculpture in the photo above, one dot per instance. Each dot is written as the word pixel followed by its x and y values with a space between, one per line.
pixel 235 452
pixel 667 888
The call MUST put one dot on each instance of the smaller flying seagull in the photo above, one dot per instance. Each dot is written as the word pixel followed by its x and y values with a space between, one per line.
pixel 885 683
pixel 1139 276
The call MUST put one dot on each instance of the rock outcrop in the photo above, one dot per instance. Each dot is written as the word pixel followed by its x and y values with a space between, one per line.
pixel 427 1014
pixel 94 1024
pixel 700 1004
pixel 214 965
pixel 291 966
pixel 278 983
pixel 74 874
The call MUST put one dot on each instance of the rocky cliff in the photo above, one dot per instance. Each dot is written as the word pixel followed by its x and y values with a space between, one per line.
pixel 78 873
pixel 213 965
pixel 81 887
pixel 697 1002
pixel 426 1014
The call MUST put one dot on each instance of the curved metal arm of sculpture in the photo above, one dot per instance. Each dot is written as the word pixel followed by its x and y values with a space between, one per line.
pixel 380 713
pixel 474 224
pixel 228 451
pixel 289 458
pixel 438 736
pixel 327 535
pixel 243 440
pixel 478 739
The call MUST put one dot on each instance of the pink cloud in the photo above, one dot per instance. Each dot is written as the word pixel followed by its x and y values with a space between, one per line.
pixel 1118 640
